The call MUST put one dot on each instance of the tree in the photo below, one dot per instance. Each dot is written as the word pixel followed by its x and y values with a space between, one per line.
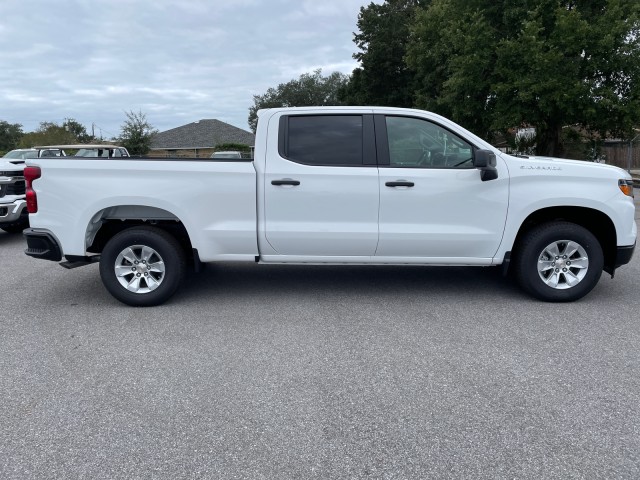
pixel 78 130
pixel 587 71
pixel 383 78
pixel 311 89
pixel 492 65
pixel 136 133
pixel 452 53
pixel 10 135
pixel 48 133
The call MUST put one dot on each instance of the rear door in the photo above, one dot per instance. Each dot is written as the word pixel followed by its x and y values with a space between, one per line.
pixel 321 186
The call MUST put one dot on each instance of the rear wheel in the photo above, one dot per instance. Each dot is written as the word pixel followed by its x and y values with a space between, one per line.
pixel 559 262
pixel 142 266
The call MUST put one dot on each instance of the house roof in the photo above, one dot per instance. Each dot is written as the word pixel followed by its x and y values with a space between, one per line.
pixel 207 133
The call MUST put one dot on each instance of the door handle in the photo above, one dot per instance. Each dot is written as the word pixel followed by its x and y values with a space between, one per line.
pixel 400 183
pixel 285 181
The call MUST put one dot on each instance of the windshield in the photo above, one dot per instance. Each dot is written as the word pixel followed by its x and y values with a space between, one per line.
pixel 21 154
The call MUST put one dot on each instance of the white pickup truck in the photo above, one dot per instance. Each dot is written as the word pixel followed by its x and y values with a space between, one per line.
pixel 336 185
pixel 13 212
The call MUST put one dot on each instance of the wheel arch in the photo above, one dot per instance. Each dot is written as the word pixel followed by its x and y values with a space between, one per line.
pixel 596 221
pixel 112 220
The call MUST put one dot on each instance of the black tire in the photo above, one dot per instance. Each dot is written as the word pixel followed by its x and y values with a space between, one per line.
pixel 167 253
pixel 532 254
pixel 15 227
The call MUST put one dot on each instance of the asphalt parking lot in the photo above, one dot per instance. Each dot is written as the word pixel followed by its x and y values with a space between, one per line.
pixel 273 372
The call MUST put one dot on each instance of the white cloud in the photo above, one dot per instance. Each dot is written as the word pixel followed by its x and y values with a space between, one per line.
pixel 177 61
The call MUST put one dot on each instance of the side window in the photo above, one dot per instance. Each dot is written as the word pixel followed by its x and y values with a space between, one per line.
pixel 418 143
pixel 329 140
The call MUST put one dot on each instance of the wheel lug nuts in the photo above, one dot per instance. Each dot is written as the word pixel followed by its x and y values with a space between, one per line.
pixel 557 270
pixel 133 269
pixel 137 274
pixel 553 264
pixel 136 262
pixel 557 258
pixel 146 274
pixel 568 263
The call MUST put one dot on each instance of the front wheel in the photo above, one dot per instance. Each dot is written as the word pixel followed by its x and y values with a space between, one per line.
pixel 142 266
pixel 559 262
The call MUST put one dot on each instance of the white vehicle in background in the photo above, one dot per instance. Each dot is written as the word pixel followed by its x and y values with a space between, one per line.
pixel 336 185
pixel 84 150
pixel 20 154
pixel 229 154
pixel 35 152
pixel 102 151
pixel 13 206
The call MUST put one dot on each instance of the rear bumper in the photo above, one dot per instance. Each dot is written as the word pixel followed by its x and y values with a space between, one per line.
pixel 42 244
pixel 624 254
pixel 12 212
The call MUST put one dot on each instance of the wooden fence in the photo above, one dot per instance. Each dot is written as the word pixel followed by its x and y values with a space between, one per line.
pixel 618 154
pixel 613 153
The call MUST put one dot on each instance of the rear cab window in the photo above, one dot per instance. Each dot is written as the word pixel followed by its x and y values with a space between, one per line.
pixel 327 140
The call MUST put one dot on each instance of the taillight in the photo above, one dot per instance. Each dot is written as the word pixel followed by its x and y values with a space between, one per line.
pixel 31 174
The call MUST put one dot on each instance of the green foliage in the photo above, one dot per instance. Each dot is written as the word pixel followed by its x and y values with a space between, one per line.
pixel 48 133
pixel 493 65
pixel 452 53
pixel 78 130
pixel 10 135
pixel 238 147
pixel 543 63
pixel 136 133
pixel 383 78
pixel 311 89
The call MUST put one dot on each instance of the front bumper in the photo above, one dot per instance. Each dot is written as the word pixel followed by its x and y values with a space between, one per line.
pixel 42 244
pixel 624 254
pixel 12 212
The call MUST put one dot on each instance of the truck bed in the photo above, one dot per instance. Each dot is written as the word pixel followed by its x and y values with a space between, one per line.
pixel 214 199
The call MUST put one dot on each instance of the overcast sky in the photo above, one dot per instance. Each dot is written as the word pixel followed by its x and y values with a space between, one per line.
pixel 175 60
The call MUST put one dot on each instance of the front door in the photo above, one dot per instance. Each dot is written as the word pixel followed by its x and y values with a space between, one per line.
pixel 433 204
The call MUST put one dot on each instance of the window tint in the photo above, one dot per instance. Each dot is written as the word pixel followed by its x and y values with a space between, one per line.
pixel 325 139
pixel 414 142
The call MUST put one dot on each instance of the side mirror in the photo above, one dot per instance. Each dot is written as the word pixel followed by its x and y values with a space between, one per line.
pixel 485 161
